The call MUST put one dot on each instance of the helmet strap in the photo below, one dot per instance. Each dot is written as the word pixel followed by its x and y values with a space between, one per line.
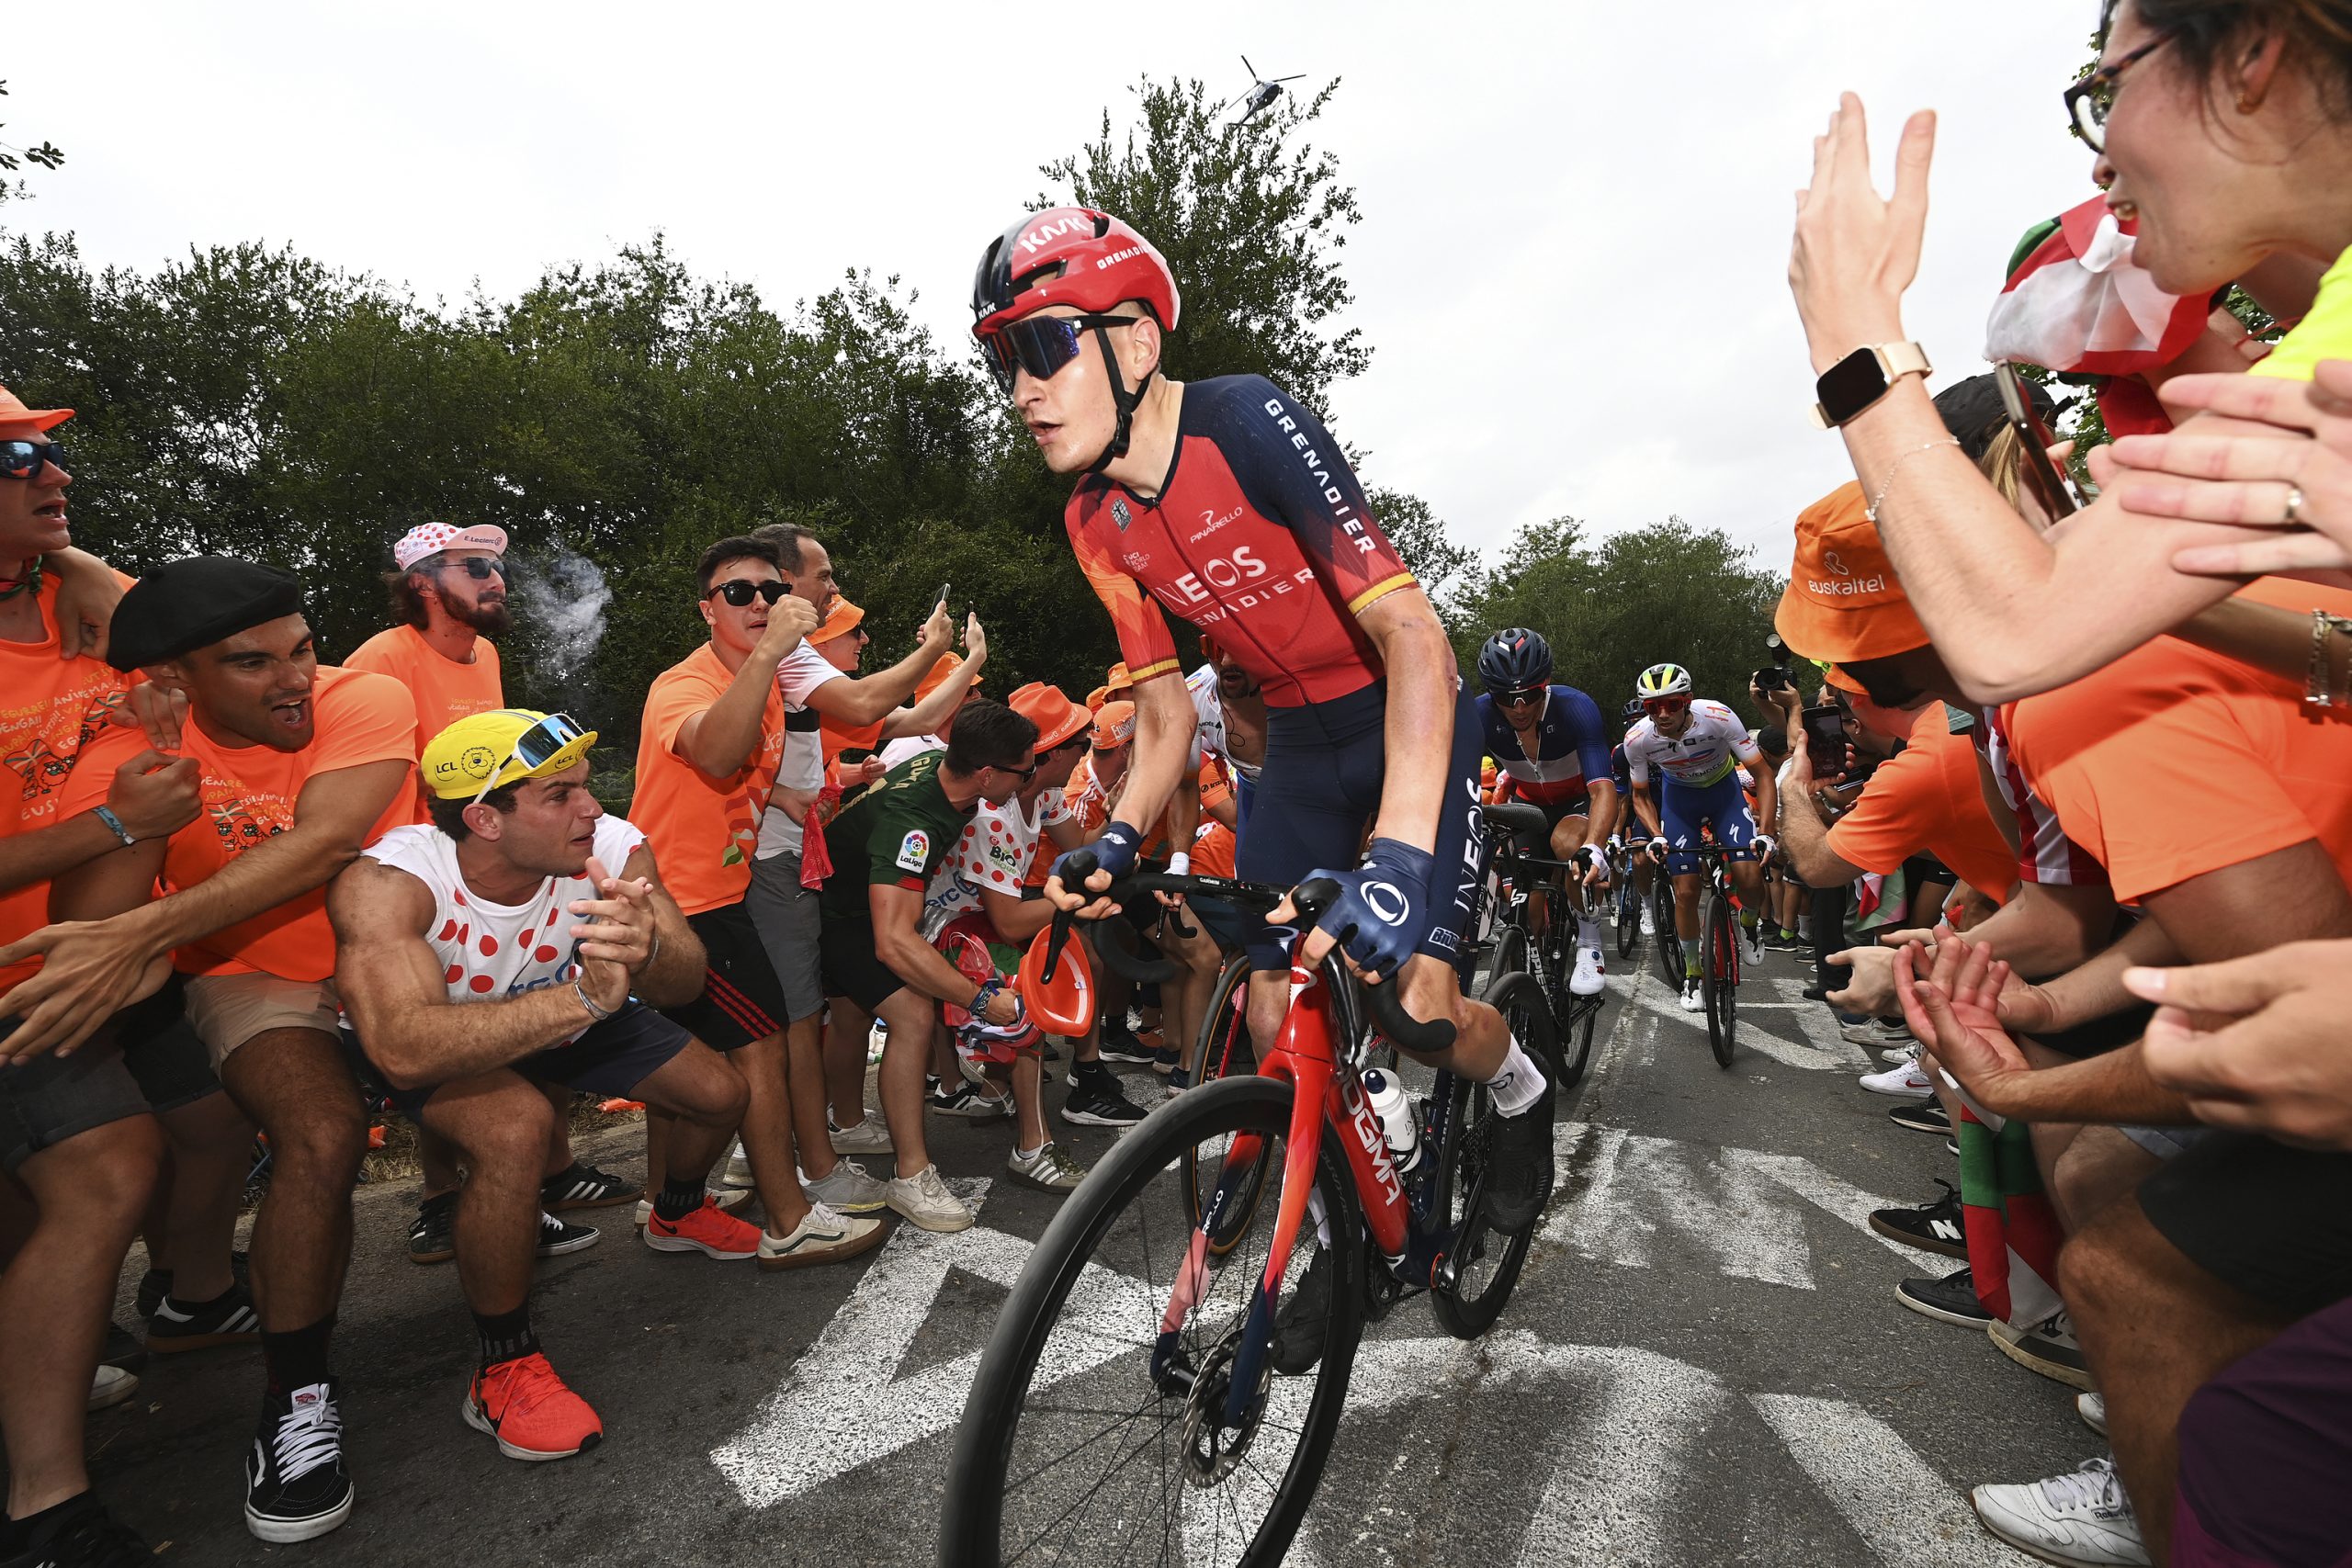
pixel 1126 401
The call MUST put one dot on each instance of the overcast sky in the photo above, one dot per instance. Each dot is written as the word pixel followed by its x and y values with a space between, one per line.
pixel 1572 263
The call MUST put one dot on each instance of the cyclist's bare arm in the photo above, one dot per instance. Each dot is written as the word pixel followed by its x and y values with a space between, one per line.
pixel 1164 724
pixel 1420 669
pixel 1767 793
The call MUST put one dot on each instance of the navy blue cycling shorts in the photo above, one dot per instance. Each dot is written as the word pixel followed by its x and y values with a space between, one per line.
pixel 1317 796
pixel 1683 809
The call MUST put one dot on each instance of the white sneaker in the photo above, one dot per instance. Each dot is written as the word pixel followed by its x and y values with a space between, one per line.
pixel 2083 1517
pixel 1904 1082
pixel 1691 1000
pixel 110 1386
pixel 848 1187
pixel 1591 974
pixel 1047 1169
pixel 1891 1033
pixel 1649 921
pixel 1895 1055
pixel 2092 1408
pixel 926 1203
pixel 876 1033
pixel 821 1236
pixel 738 1167
pixel 1755 935
pixel 871 1137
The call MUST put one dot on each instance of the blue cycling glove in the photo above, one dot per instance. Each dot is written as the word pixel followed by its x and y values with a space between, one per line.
pixel 1382 913
pixel 1114 851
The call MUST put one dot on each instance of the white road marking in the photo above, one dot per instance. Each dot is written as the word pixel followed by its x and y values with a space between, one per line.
pixel 1904 1511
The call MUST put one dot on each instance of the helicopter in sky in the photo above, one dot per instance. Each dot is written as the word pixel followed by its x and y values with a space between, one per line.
pixel 1262 95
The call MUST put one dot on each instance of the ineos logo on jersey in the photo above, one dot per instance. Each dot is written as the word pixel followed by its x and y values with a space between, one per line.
pixel 1222 573
pixel 1386 901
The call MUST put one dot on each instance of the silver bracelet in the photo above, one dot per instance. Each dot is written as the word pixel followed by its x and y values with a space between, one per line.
pixel 598 1013
pixel 1879 499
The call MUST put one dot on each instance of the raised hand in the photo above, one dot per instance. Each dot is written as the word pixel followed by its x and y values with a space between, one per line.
pixel 155 795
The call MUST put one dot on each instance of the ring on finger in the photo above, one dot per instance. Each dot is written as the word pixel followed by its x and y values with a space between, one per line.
pixel 2294 503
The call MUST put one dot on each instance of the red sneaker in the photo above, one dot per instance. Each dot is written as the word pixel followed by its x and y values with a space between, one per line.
pixel 709 1230
pixel 527 1407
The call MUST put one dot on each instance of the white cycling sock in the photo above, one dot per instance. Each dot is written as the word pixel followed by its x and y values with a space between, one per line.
pixel 1517 1083
pixel 1587 931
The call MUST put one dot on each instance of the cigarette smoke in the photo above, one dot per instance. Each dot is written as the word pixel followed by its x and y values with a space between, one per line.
pixel 563 596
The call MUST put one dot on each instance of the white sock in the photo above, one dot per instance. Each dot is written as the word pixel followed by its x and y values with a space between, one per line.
pixel 1518 1084
pixel 1587 931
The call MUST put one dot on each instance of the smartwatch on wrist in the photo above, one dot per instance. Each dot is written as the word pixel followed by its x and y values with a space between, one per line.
pixel 1850 387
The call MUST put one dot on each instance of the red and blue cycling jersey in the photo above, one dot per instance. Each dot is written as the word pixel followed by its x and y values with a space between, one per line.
pixel 1571 749
pixel 1260 537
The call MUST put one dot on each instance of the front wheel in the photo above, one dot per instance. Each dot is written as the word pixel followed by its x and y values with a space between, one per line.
pixel 1627 896
pixel 1485 1262
pixel 1669 941
pixel 1090 1436
pixel 1719 975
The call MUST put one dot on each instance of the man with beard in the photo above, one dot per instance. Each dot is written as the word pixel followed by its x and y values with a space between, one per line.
pixel 449 595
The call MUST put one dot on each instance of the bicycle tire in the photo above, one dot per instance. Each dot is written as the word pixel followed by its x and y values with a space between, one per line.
pixel 1719 977
pixel 1508 954
pixel 1627 899
pixel 1488 1260
pixel 1224 1049
pixel 1670 943
pixel 1575 1031
pixel 982 1479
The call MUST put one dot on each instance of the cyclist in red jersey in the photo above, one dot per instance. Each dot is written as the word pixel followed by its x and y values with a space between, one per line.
pixel 1228 503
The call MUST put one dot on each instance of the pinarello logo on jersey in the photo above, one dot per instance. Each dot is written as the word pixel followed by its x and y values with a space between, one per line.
pixel 1210 523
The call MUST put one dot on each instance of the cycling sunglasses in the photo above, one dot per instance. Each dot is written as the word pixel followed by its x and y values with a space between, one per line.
pixel 23 459
pixel 1663 705
pixel 479 568
pixel 1519 698
pixel 1040 344
pixel 535 749
pixel 739 593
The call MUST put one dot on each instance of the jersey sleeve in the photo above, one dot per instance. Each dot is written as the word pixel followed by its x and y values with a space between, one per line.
pixel 1293 472
pixel 1743 745
pixel 1592 741
pixel 94 769
pixel 1146 644
pixel 1637 763
pixel 1897 811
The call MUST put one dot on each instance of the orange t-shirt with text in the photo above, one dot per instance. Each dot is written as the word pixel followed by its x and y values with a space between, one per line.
pixel 50 708
pixel 443 689
pixel 250 796
pixel 703 830
pixel 1928 798
pixel 2174 762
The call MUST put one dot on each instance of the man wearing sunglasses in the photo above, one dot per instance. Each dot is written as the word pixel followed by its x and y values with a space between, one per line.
pixel 1228 503
pixel 1697 747
pixel 302 766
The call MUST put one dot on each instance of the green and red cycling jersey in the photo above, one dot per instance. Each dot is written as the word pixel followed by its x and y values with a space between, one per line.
pixel 1260 537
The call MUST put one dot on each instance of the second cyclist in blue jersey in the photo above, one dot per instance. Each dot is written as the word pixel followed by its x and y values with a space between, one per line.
pixel 1553 753
pixel 1226 503
pixel 1697 747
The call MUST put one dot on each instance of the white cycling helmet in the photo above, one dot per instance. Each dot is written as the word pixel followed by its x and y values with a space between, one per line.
pixel 1663 681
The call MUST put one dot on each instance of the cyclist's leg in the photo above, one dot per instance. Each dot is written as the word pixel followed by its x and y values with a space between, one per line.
pixel 1735 830
pixel 1681 811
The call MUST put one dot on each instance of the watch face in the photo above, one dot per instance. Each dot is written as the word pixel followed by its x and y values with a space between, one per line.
pixel 1851 385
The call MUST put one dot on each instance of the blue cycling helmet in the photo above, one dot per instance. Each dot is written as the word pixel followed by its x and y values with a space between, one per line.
pixel 1632 709
pixel 1514 659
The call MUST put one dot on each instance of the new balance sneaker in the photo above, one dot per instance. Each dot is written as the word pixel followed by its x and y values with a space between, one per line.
pixel 2048 1347
pixel 709 1230
pixel 527 1408
pixel 2082 1517
pixel 849 1189
pixel 924 1202
pixel 296 1488
pixel 870 1136
pixel 1952 1299
pixel 824 1236
pixel 1908 1081
pixel 559 1237
pixel 1932 1227
pixel 1926 1116
pixel 737 1171
pixel 730 1199
pixel 971 1102
pixel 84 1536
pixel 1096 1100
pixel 1120 1044
pixel 432 1234
pixel 2092 1408
pixel 1691 1000
pixel 178 1327
pixel 109 1386
pixel 1046 1167
pixel 1591 974
pixel 585 1187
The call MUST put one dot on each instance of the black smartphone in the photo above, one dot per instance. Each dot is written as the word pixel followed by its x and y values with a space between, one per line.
pixel 2040 476
pixel 1824 741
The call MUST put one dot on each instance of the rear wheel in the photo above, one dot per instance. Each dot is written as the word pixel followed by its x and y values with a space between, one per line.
pixel 1719 975
pixel 1486 1262
pixel 1577 1027
pixel 1090 1436
pixel 1627 899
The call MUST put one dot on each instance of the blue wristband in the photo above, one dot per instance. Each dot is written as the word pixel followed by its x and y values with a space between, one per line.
pixel 106 816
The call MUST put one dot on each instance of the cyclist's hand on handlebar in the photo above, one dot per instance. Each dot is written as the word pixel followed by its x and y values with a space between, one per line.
pixel 1594 862
pixel 1380 915
pixel 1112 856
pixel 1656 850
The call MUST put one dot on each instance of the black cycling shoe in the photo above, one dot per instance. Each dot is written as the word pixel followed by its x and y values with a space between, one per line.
pixel 1300 1323
pixel 1517 1178
pixel 88 1537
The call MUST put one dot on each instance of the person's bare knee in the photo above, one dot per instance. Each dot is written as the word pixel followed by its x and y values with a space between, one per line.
pixel 99 1178
pixel 697 1086
pixel 2097 1166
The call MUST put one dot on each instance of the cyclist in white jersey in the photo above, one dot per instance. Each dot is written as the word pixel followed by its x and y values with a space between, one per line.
pixel 1698 748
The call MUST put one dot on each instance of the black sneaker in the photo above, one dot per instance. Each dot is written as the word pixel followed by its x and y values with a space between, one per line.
pixel 1165 1059
pixel 1120 1044
pixel 585 1187
pixel 1925 1117
pixel 1786 942
pixel 432 1234
pixel 88 1537
pixel 970 1101
pixel 559 1237
pixel 1300 1320
pixel 1932 1227
pixel 1952 1299
pixel 1095 1101
pixel 228 1321
pixel 1518 1178
pixel 156 1283
pixel 296 1488
pixel 122 1348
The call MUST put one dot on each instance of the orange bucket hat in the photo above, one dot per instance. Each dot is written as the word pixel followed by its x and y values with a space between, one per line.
pixel 1843 602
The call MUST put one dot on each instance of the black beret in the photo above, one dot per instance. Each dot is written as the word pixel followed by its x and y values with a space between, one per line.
pixel 188 604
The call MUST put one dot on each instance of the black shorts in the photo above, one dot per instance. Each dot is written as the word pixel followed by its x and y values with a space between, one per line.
pixel 1924 868
pixel 742 999
pixel 610 1058
pixel 852 969
pixel 2268 1220
pixel 51 1098
pixel 166 1057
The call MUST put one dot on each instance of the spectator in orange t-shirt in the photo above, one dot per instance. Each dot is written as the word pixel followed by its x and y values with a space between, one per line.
pixel 302 766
